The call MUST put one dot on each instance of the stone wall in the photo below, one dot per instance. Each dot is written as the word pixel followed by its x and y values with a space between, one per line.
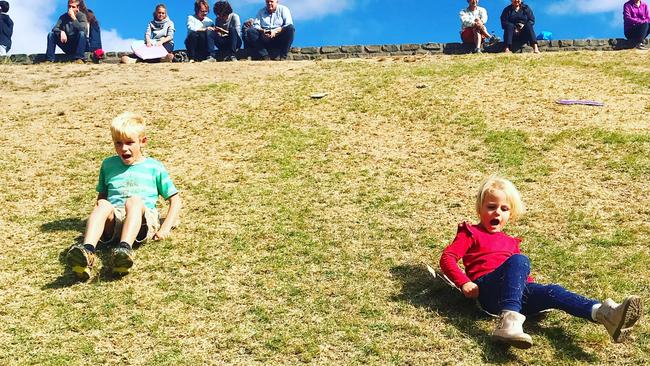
pixel 368 51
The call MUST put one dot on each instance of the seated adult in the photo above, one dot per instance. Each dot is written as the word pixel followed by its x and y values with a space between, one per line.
pixel 160 32
pixel 517 21
pixel 69 33
pixel 227 31
pixel 94 36
pixel 200 41
pixel 473 30
pixel 636 22
pixel 6 28
pixel 270 34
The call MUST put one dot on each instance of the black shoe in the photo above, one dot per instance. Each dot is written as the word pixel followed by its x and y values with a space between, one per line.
pixel 122 258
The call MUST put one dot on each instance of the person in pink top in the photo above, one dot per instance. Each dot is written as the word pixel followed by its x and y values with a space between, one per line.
pixel 636 22
pixel 497 274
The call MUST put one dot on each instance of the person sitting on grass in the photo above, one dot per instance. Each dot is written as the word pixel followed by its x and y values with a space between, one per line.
pixel 270 34
pixel 518 22
pixel 160 32
pixel 128 189
pixel 200 40
pixel 94 37
pixel 636 22
pixel 498 275
pixel 227 31
pixel 6 28
pixel 69 33
pixel 473 30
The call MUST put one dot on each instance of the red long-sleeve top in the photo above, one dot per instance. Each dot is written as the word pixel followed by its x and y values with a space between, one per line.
pixel 482 252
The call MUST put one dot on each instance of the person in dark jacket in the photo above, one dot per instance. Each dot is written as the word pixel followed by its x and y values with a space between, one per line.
pixel 69 34
pixel 6 28
pixel 517 21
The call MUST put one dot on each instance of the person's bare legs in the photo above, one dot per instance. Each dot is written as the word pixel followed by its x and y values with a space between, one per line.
pixel 535 48
pixel 477 37
pixel 134 211
pixel 81 257
pixel 123 255
pixel 101 221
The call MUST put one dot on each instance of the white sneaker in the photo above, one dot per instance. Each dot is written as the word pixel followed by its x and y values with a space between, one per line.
pixel 618 319
pixel 510 330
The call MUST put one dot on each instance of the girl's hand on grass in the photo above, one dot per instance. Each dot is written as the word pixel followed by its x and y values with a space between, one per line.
pixel 470 290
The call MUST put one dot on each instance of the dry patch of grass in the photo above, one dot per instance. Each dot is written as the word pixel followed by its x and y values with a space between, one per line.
pixel 307 222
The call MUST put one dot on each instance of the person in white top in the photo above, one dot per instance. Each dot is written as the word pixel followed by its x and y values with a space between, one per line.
pixel 270 34
pixel 473 30
pixel 200 40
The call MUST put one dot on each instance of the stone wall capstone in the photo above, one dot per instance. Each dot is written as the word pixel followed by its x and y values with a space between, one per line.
pixel 386 50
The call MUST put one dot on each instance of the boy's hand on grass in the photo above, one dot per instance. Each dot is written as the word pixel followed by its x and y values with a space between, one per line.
pixel 161 234
pixel 470 290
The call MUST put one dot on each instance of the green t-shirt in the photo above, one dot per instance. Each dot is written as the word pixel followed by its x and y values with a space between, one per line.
pixel 147 180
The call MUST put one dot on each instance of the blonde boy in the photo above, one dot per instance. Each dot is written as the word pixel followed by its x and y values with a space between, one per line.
pixel 128 189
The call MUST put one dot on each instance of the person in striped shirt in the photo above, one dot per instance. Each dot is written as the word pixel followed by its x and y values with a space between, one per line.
pixel 128 189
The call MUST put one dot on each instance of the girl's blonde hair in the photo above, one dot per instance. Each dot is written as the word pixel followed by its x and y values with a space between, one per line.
pixel 496 183
pixel 127 125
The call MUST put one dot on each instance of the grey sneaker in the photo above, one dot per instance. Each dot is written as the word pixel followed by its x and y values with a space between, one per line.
pixel 641 47
pixel 209 59
pixel 510 330
pixel 618 319
pixel 230 59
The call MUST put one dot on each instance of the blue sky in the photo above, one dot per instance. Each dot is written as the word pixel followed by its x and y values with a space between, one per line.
pixel 321 22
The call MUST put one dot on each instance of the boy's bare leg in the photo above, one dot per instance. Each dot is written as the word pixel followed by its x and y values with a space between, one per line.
pixel 477 37
pixel 101 221
pixel 123 255
pixel 134 211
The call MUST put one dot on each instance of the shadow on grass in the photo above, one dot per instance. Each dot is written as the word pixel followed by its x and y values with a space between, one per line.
pixel 421 290
pixel 69 224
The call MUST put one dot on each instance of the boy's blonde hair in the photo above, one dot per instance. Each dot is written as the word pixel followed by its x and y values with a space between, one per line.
pixel 127 125
pixel 496 183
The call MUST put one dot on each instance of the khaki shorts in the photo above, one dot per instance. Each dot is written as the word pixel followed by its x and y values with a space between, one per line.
pixel 150 225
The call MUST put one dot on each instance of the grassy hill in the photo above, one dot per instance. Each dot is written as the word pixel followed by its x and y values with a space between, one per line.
pixel 307 223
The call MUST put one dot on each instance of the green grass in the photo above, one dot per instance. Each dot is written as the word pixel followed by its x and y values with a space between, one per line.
pixel 307 223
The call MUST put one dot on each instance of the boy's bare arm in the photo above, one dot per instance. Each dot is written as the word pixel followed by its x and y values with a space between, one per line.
pixel 172 216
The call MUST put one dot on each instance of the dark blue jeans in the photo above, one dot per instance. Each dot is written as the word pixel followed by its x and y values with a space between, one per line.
pixel 229 44
pixel 263 46
pixel 199 45
pixel 526 35
pixel 507 288
pixel 76 46
pixel 638 33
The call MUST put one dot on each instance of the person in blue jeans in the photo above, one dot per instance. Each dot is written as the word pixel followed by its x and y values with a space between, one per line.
pixel 518 23
pixel 227 31
pixel 498 275
pixel 270 34
pixel 69 33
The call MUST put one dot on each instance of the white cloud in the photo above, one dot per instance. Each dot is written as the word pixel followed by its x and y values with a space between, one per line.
pixel 31 28
pixel 310 9
pixel 585 6
pixel 111 41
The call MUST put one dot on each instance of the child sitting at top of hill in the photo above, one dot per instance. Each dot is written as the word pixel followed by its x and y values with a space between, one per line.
pixel 128 189
pixel 6 28
pixel 498 275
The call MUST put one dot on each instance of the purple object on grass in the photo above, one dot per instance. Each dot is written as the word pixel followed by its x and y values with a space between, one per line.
pixel 580 102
